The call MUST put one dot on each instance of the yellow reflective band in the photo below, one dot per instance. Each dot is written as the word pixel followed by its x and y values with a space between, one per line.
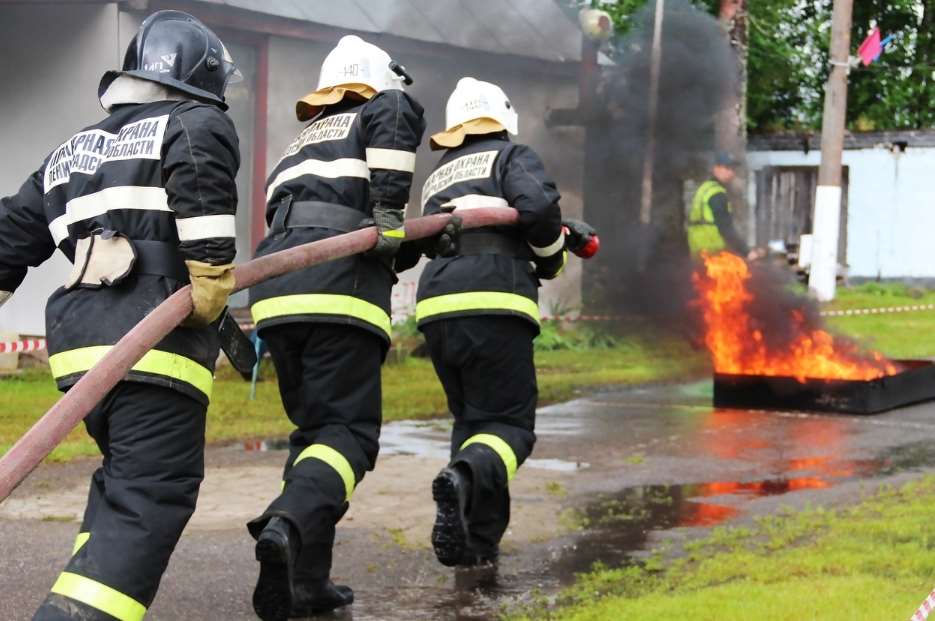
pixel 156 362
pixel 334 459
pixel 321 304
pixel 99 596
pixel 564 263
pixel 80 540
pixel 400 233
pixel 477 300
pixel 499 446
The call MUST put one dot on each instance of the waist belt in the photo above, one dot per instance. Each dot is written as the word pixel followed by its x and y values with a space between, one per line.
pixel 314 214
pixel 159 259
pixel 491 242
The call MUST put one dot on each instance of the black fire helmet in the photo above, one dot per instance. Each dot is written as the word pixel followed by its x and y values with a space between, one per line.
pixel 176 49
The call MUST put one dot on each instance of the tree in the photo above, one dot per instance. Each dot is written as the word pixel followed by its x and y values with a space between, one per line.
pixel 788 62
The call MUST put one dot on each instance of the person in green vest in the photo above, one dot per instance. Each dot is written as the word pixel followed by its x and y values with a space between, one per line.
pixel 710 223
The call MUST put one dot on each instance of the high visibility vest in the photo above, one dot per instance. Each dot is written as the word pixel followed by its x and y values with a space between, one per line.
pixel 703 234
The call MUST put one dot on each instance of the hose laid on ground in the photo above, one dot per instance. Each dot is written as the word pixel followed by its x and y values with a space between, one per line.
pixel 74 405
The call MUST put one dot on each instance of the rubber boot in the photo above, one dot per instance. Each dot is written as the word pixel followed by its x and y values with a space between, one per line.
pixel 450 537
pixel 277 548
pixel 317 599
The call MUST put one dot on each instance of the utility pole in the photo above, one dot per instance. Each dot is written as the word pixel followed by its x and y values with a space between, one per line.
pixel 732 120
pixel 827 217
pixel 655 66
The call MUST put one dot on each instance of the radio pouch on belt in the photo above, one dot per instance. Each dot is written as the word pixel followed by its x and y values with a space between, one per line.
pixel 239 349
pixel 101 260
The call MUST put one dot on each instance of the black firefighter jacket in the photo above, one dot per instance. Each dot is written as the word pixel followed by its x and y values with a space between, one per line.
pixel 486 171
pixel 153 172
pixel 352 155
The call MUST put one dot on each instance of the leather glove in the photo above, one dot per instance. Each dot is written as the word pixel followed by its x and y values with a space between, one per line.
pixel 4 296
pixel 390 231
pixel 211 286
pixel 581 238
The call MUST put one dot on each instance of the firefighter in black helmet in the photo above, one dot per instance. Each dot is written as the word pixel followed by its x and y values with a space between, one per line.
pixel 710 224
pixel 143 203
pixel 328 326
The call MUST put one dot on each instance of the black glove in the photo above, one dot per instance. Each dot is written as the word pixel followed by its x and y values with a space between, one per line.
pixel 577 234
pixel 390 232
pixel 448 242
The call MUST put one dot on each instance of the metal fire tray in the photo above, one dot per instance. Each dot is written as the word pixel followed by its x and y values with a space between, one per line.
pixel 915 383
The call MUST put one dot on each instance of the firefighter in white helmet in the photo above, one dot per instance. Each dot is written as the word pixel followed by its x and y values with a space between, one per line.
pixel 477 304
pixel 328 326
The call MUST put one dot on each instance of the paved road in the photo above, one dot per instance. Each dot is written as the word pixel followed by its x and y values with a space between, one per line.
pixel 635 466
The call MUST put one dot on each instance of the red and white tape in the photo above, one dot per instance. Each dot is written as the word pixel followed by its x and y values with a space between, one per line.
pixel 923 612
pixel 21 347
pixel 878 311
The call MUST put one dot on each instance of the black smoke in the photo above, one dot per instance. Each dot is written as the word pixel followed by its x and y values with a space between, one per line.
pixel 644 270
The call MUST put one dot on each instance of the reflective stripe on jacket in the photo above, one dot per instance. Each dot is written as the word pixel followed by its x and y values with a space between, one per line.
pixel 703 233
pixel 491 171
pixel 353 154
pixel 155 172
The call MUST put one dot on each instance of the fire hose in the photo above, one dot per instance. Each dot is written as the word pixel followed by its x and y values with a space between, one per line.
pixel 81 398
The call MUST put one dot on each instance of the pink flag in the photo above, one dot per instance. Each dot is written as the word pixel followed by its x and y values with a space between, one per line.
pixel 871 48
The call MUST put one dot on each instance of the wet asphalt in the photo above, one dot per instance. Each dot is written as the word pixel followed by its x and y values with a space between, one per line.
pixel 637 467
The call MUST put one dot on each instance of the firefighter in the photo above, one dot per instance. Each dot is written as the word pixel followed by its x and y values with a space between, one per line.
pixel 478 309
pixel 142 203
pixel 710 221
pixel 328 327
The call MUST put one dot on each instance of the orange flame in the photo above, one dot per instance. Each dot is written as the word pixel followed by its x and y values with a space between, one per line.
pixel 737 344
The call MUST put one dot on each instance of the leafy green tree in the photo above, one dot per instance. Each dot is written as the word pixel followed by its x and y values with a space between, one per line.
pixel 788 62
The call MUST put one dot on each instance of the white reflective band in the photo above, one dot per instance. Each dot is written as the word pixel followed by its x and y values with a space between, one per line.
pixel 548 251
pixel 391 159
pixel 344 167
pixel 477 201
pixel 4 296
pixel 109 199
pixel 205 227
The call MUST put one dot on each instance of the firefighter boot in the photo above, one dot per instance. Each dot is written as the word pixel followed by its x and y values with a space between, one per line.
pixel 277 547
pixel 314 592
pixel 315 599
pixel 451 491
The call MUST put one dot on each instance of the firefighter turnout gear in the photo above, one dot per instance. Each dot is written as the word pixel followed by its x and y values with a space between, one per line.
pixel 479 312
pixel 141 192
pixel 710 225
pixel 140 500
pixel 354 156
pixel 211 286
pixel 328 326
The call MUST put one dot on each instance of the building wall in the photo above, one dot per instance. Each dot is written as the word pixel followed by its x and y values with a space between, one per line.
pixel 890 215
pixel 53 57
pixel 294 66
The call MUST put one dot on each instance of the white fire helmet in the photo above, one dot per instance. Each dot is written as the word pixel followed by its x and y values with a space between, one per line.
pixel 354 61
pixel 474 99
pixel 475 107
pixel 353 65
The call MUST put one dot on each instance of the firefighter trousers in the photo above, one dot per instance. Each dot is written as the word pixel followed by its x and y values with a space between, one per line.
pixel 329 380
pixel 140 499
pixel 485 364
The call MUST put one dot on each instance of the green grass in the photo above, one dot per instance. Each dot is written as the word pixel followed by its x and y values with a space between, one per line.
pixel 869 562
pixel 898 335
pixel 410 391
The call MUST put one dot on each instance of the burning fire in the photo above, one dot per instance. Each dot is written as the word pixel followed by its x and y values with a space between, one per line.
pixel 737 344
